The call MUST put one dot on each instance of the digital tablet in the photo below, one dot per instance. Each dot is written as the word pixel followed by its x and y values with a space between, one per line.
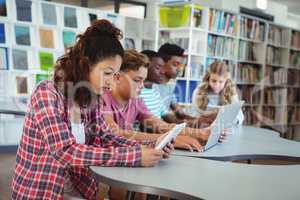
pixel 172 134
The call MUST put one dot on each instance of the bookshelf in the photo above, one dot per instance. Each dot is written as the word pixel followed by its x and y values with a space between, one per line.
pixel 263 59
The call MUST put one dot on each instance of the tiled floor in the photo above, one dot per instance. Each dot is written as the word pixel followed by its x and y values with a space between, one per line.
pixel 7 164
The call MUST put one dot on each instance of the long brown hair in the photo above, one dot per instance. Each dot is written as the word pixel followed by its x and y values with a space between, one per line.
pixel 98 42
pixel 225 96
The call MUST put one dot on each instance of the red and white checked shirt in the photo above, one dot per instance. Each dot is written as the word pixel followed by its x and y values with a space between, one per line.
pixel 48 149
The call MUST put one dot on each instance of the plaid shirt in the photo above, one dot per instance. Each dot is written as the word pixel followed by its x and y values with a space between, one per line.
pixel 48 150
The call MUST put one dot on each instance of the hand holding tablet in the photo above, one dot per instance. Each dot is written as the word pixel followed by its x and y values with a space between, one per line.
pixel 171 135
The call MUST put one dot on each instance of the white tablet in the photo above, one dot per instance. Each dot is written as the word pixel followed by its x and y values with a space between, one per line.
pixel 172 134
pixel 224 120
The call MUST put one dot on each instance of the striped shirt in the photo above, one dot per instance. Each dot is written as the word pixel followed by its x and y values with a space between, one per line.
pixel 153 101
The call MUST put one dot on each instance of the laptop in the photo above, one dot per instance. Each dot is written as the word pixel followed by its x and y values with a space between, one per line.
pixel 225 119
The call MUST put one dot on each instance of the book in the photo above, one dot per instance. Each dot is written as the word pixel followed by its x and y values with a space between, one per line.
pixel 294 59
pixel 251 114
pixel 220 46
pixel 252 29
pixel 275 96
pixel 20 59
pixel 278 36
pixel 275 56
pixel 46 38
pixel 249 51
pixel 222 22
pixel 249 73
pixel 293 77
pixel 295 40
pixel 49 14
pixel 250 94
pixel 70 17
pixel 275 76
pixel 22 35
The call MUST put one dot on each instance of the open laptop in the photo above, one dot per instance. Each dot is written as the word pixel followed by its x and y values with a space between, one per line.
pixel 225 119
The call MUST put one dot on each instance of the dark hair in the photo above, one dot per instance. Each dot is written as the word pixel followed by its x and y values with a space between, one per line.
pixel 133 60
pixel 151 54
pixel 168 50
pixel 98 42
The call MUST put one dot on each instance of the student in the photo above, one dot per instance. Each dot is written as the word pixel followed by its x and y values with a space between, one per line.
pixel 49 154
pixel 158 95
pixel 216 89
pixel 122 106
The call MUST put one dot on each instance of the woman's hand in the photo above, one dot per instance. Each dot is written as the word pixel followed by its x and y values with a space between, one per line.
pixel 150 156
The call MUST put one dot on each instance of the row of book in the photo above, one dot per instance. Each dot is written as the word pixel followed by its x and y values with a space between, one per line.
pixel 249 51
pixel 275 76
pixel 222 22
pixel 293 77
pixel 230 64
pixel 274 115
pixel 295 40
pixel 276 96
pixel 293 96
pixel 251 115
pixel 274 56
pixel 278 36
pixel 294 115
pixel 295 59
pixel 220 46
pixel 248 73
pixel 252 29
pixel 250 94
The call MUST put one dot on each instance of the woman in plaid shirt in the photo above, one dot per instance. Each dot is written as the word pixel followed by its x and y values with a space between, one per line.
pixel 48 150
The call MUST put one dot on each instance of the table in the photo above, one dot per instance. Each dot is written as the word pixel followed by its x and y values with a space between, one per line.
pixel 184 177
pixel 248 144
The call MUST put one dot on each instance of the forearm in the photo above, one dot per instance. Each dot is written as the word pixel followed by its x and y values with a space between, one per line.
pixel 157 125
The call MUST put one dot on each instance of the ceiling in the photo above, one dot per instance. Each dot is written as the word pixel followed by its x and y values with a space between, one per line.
pixel 293 5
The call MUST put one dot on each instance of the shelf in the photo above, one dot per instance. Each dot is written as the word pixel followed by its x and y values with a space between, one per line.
pixel 251 40
pixel 292 67
pixel 250 62
pixel 221 58
pixel 294 49
pixel 245 83
pixel 277 65
pixel 197 54
pixel 222 34
pixel 182 29
pixel 277 45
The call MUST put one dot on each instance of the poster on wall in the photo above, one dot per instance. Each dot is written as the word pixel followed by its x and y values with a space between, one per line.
pixel 49 14
pixel 20 59
pixel 69 38
pixel 41 77
pixel 70 17
pixel 2 33
pixel 46 38
pixel 22 85
pixel 22 35
pixel 46 61
pixel 3 9
pixel 24 10
pixel 3 59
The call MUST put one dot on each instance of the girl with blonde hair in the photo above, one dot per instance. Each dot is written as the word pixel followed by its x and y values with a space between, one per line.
pixel 216 89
